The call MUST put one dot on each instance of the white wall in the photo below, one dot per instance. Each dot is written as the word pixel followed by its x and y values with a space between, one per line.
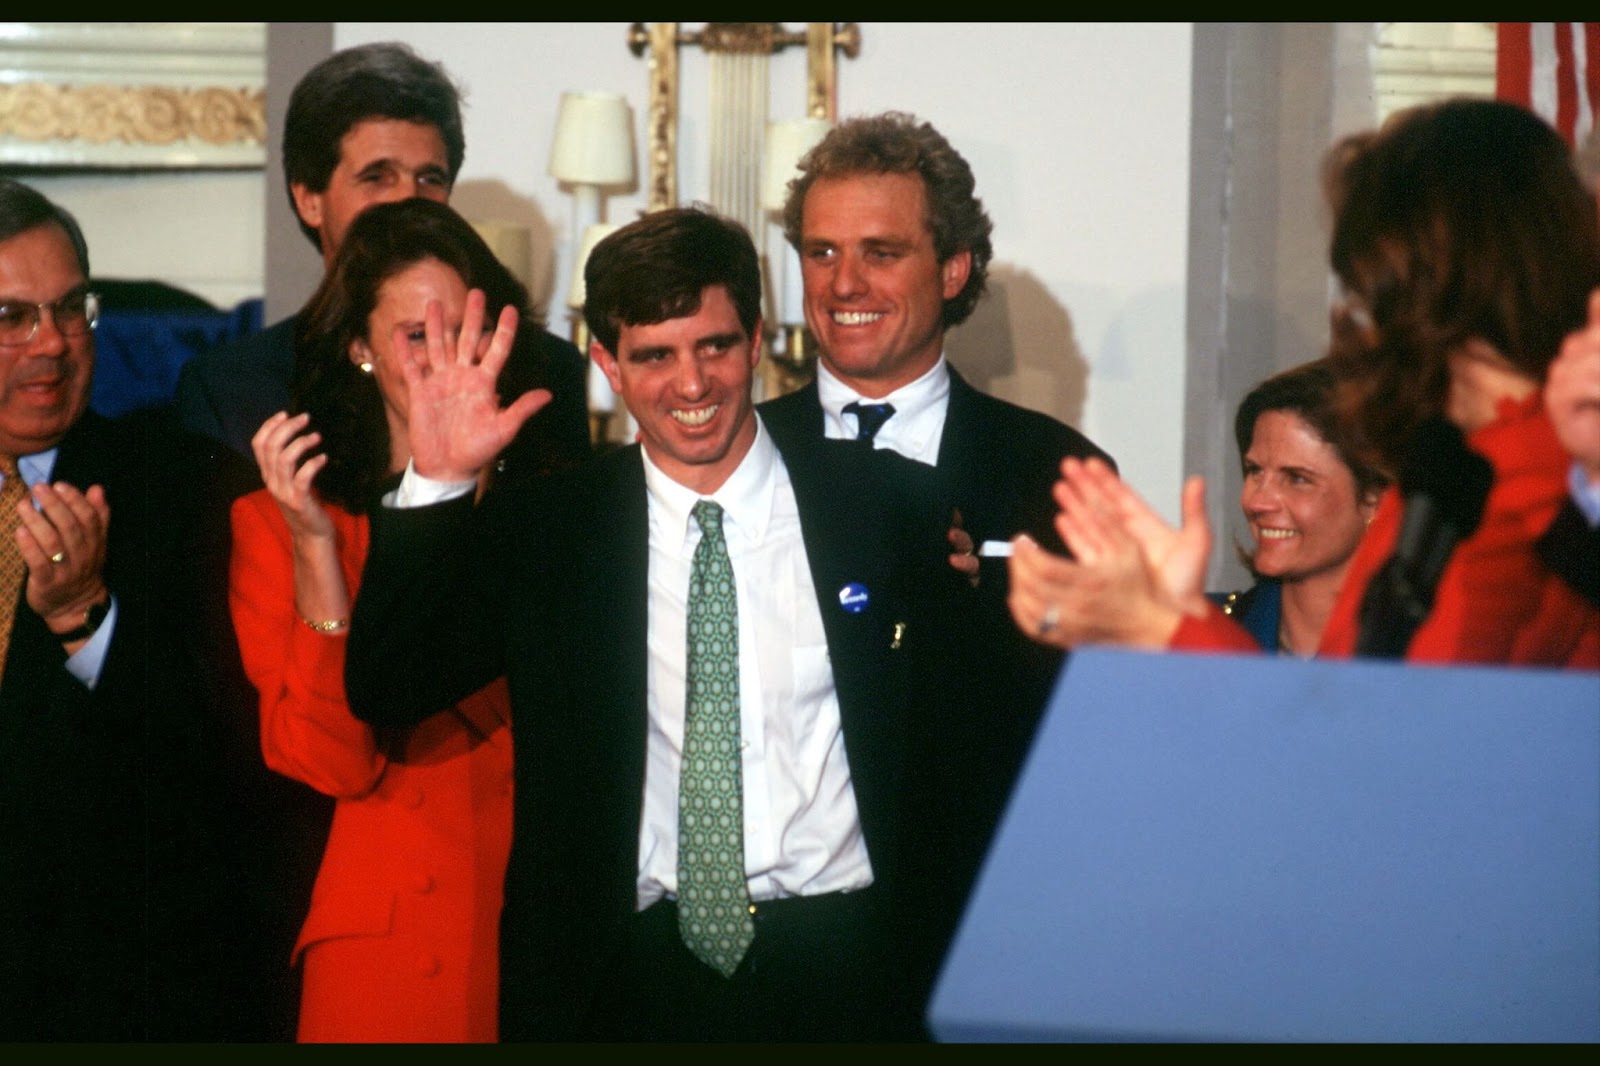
pixel 1078 135
pixel 199 230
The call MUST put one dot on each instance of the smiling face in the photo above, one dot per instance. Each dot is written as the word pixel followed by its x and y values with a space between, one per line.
pixel 874 288
pixel 402 304
pixel 1301 501
pixel 380 160
pixel 44 383
pixel 686 381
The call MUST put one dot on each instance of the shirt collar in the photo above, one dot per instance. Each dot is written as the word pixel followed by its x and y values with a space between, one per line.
pixel 910 399
pixel 746 497
pixel 38 466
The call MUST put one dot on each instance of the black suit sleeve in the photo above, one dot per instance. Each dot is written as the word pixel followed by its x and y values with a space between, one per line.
pixel 1571 547
pixel 427 629
pixel 557 438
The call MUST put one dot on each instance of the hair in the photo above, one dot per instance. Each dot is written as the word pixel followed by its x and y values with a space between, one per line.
pixel 23 208
pixel 660 266
pixel 344 403
pixel 371 81
pixel 896 143
pixel 1458 221
pixel 1310 392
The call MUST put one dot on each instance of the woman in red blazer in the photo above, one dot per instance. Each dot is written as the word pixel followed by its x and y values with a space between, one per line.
pixel 401 941
pixel 1467 249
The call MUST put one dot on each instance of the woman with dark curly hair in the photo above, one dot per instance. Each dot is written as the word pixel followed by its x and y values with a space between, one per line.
pixel 1467 248
pixel 401 942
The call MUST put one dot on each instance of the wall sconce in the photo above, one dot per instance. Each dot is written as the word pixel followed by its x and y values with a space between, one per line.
pixel 787 144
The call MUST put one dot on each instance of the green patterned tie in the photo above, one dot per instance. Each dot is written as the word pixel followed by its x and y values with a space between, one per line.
pixel 713 903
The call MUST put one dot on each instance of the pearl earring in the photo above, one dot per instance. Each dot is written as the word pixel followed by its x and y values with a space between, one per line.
pixel 366 368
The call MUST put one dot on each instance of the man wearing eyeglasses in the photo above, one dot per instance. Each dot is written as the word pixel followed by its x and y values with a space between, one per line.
pixel 90 772
pixel 46 351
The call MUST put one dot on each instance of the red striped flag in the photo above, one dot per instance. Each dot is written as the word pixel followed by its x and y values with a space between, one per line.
pixel 1553 69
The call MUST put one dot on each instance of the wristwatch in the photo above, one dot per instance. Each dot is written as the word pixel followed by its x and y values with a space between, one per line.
pixel 92 618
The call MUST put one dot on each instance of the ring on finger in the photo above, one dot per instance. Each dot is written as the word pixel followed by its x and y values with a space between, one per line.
pixel 59 557
pixel 1049 620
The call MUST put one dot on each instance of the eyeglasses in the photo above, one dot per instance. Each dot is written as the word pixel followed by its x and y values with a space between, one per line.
pixel 74 315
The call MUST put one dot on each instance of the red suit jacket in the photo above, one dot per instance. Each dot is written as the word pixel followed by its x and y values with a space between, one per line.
pixel 1497 602
pixel 401 942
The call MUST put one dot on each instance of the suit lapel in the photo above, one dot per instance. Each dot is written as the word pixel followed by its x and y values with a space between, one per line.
pixel 846 546
pixel 795 418
pixel 614 585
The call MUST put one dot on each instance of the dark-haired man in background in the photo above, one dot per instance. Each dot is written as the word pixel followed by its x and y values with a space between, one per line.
pixel 368 125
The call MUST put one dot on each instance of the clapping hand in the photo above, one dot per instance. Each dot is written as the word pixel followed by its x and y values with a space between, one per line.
pixel 280 447
pixel 1132 577
pixel 63 542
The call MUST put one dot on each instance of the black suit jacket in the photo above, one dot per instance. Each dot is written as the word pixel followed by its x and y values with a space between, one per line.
pixel 1571 547
pixel 997 461
pixel 997 465
pixel 114 874
pixel 558 601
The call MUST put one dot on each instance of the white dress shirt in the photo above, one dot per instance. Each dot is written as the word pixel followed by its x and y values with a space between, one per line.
pixel 802 828
pixel 915 429
pixel 802 831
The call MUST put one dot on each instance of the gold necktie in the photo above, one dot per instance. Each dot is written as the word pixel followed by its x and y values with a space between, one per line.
pixel 13 572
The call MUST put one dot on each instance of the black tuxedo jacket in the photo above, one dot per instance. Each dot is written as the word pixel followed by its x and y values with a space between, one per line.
pixel 113 877
pixel 997 465
pixel 555 585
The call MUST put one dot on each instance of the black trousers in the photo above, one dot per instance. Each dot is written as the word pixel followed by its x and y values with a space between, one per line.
pixel 821 968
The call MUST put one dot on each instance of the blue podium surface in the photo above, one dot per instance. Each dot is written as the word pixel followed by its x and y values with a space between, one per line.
pixel 1233 848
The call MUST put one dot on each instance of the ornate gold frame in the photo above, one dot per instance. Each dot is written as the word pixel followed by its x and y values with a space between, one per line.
pixel 120 94
pixel 659 42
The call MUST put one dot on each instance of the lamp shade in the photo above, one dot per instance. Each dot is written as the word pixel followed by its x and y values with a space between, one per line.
pixel 512 244
pixel 579 292
pixel 787 144
pixel 594 140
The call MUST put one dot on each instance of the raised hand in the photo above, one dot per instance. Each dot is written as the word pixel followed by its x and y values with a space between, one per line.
pixel 1066 602
pixel 1098 508
pixel 1132 577
pixel 455 420
pixel 279 446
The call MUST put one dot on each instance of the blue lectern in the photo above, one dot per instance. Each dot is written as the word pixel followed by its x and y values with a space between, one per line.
pixel 1222 848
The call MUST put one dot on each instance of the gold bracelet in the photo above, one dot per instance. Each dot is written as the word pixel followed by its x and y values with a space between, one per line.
pixel 337 625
